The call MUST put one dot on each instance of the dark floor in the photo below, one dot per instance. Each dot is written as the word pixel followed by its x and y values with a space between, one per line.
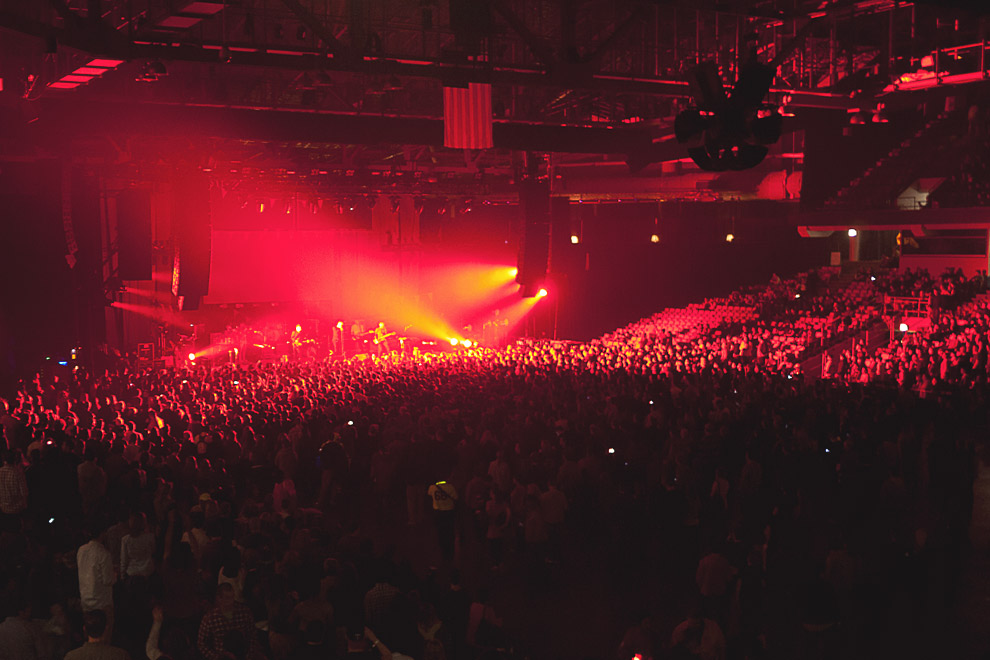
pixel 588 600
pixel 973 619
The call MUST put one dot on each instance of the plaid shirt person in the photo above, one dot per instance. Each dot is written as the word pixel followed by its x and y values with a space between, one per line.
pixel 228 616
pixel 13 486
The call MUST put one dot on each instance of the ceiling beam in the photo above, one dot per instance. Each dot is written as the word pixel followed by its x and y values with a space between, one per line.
pixel 59 121
pixel 889 220
pixel 300 60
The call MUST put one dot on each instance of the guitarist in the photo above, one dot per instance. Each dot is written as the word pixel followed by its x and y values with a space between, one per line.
pixel 380 336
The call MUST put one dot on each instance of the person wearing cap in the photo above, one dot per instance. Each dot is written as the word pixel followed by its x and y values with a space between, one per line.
pixel 444 498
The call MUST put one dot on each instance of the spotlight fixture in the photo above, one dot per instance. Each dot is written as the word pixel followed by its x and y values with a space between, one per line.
pixel 880 114
pixel 114 286
pixel 153 72
pixel 729 238
pixel 531 290
pixel 655 238
pixel 575 239
pixel 852 233
pixel 393 204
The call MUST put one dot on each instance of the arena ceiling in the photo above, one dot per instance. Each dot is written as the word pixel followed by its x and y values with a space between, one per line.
pixel 341 85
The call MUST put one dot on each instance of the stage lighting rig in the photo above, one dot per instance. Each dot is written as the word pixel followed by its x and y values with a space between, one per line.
pixel 729 131
pixel 113 289
pixel 153 72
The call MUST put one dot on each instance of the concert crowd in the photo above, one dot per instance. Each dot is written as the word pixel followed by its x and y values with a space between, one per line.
pixel 411 506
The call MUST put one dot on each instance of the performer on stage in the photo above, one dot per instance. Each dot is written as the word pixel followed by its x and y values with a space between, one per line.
pixel 302 348
pixel 295 341
pixel 380 336
pixel 338 340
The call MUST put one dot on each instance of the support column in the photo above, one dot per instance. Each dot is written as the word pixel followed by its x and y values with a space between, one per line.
pixel 986 254
pixel 854 247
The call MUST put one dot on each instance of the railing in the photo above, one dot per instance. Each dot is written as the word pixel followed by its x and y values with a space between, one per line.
pixel 968 63
pixel 907 306
pixel 871 335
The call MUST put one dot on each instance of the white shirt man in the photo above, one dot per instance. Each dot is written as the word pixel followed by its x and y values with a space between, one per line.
pixel 136 552
pixel 96 577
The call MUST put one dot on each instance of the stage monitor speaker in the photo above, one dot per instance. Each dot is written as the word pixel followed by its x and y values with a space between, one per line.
pixel 134 234
pixel 534 246
pixel 191 232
